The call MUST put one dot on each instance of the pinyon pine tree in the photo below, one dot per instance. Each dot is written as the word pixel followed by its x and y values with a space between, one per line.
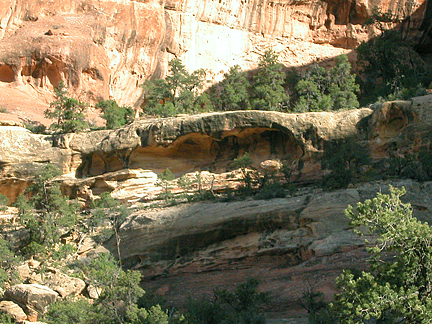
pixel 322 90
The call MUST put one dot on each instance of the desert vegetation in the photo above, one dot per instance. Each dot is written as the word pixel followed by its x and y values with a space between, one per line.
pixel 268 88
pixel 396 287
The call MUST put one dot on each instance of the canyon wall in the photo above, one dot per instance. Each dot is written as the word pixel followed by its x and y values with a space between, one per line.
pixel 126 161
pixel 192 249
pixel 106 49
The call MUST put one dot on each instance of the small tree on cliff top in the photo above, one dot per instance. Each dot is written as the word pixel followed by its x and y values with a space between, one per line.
pixel 68 113
pixel 234 94
pixel 114 115
pixel 267 92
pixel 177 93
pixel 322 90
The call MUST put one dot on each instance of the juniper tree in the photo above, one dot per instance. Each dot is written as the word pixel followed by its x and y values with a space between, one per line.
pixel 67 112
pixel 234 94
pixel 177 93
pixel 114 115
pixel 267 91
pixel 397 288
pixel 322 90
pixel 44 211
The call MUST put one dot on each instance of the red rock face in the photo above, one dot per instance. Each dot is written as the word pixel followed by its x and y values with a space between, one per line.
pixel 106 49
pixel 101 50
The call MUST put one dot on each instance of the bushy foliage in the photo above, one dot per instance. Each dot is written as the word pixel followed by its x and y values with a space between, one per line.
pixel 46 212
pixel 234 93
pixel 164 180
pixel 35 127
pixel 413 166
pixel 249 176
pixel 3 202
pixel 271 191
pixel 8 263
pixel 114 115
pixel 313 302
pixel 267 91
pixel 110 210
pixel 344 158
pixel 117 303
pixel 69 311
pixel 396 289
pixel 177 93
pixel 7 319
pixel 240 306
pixel 67 112
pixel 390 67
pixel 321 90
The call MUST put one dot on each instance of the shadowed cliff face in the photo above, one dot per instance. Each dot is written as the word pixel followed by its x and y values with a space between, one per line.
pixel 193 249
pixel 108 48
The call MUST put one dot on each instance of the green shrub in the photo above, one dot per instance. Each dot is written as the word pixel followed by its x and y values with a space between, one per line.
pixel 6 319
pixel 164 180
pixel 390 67
pixel 397 286
pixel 69 311
pixel 3 202
pixel 109 210
pixel 344 158
pixel 267 91
pixel 46 212
pixel 117 303
pixel 177 93
pixel 321 90
pixel 8 263
pixel 35 127
pixel 234 93
pixel 249 177
pixel 64 251
pixel 114 115
pixel 313 302
pixel 242 305
pixel 270 191
pixel 68 113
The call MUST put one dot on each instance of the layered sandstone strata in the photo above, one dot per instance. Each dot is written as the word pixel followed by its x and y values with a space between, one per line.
pixel 106 49
pixel 112 160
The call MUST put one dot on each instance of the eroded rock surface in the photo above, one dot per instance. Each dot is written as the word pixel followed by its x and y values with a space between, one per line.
pixel 12 309
pixel 126 161
pixel 108 48
pixel 286 243
pixel 33 298
pixel 191 249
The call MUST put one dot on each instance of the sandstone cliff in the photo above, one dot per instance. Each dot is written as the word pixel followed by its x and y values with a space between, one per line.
pixel 194 248
pixel 289 244
pixel 108 48
pixel 209 142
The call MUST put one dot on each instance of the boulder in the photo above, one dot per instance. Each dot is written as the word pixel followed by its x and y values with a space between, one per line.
pixel 63 284
pixel 10 308
pixel 93 292
pixel 33 298
pixel 24 271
